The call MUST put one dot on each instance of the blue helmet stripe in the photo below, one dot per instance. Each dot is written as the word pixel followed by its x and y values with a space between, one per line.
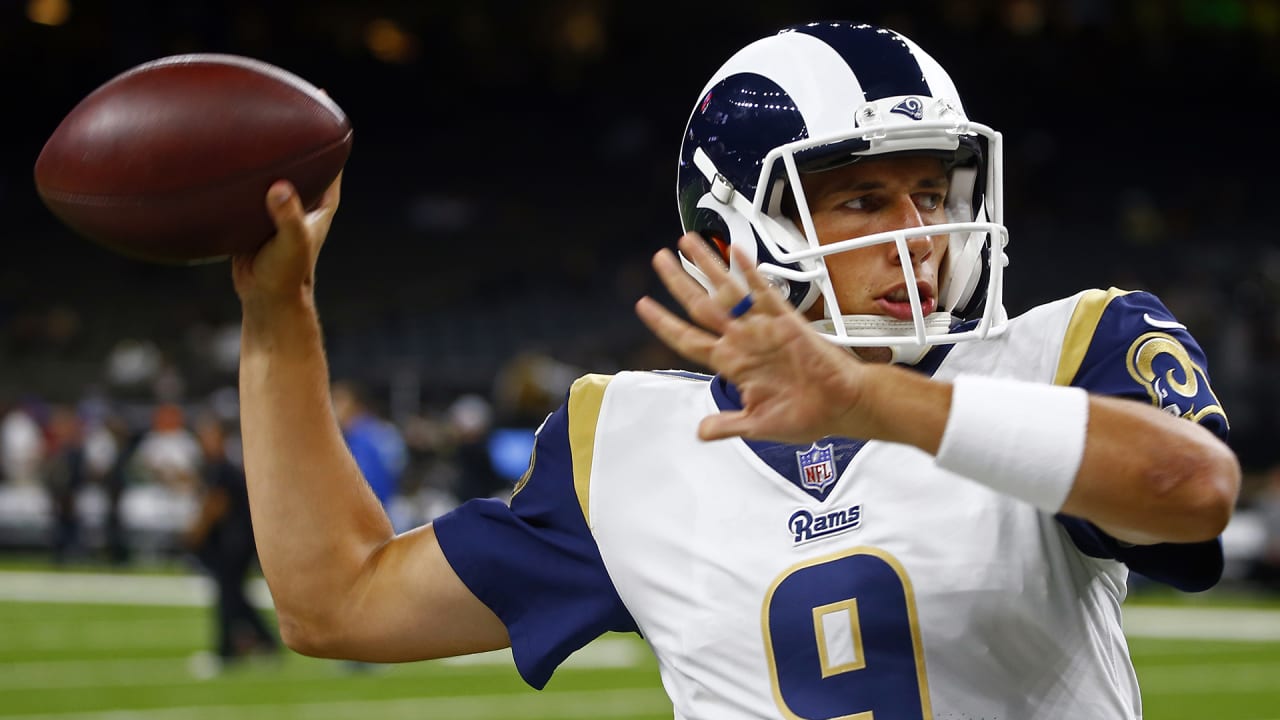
pixel 882 61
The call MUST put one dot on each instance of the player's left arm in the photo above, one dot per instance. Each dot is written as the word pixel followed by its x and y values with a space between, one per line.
pixel 1149 477
pixel 1145 475
pixel 1153 415
pixel 1141 474
pixel 1153 467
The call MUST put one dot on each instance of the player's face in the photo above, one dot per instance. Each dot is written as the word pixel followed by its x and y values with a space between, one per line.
pixel 873 196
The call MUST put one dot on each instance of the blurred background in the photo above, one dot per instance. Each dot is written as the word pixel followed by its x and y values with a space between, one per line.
pixel 512 173
pixel 514 169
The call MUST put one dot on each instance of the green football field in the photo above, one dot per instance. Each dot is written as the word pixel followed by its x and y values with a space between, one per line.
pixel 79 646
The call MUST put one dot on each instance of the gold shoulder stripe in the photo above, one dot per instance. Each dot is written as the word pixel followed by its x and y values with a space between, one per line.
pixel 1084 323
pixel 585 398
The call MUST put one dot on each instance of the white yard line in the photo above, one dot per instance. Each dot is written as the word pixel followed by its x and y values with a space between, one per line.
pixel 116 589
pixel 605 653
pixel 1240 624
pixel 1217 678
pixel 1244 624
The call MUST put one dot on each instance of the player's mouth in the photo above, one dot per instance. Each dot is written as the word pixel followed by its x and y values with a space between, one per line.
pixel 897 303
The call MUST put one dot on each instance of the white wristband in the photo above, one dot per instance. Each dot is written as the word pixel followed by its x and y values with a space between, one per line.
pixel 1019 438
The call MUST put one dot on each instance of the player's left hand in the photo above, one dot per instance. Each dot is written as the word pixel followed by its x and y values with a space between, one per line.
pixel 795 386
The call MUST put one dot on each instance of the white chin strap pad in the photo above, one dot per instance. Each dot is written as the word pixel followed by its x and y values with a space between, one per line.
pixel 874 326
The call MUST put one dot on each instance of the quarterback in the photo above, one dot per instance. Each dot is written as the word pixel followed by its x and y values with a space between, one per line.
pixel 891 501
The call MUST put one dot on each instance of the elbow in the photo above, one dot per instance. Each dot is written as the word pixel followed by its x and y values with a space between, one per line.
pixel 308 635
pixel 1206 486
pixel 299 636
pixel 328 615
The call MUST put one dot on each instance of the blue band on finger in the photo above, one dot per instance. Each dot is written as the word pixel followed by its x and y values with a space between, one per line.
pixel 743 306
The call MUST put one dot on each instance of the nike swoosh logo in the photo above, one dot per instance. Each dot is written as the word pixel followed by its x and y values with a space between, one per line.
pixel 1166 324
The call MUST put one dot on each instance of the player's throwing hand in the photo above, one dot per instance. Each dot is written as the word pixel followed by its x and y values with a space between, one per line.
pixel 285 266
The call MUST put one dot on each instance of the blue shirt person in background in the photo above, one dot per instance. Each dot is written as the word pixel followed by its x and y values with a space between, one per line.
pixel 376 444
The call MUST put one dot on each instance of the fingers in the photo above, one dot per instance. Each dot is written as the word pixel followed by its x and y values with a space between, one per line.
pixel 285 208
pixel 332 194
pixel 767 298
pixel 321 218
pixel 690 342
pixel 710 263
pixel 712 310
pixel 709 308
pixel 691 295
pixel 725 424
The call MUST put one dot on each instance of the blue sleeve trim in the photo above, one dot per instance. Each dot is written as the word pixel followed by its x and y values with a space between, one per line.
pixel 535 562
pixel 1190 567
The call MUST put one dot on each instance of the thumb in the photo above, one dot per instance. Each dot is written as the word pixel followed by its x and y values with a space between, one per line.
pixel 285 208
pixel 724 425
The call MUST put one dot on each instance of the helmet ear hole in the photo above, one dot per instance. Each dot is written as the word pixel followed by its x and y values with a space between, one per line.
pixel 720 244
pixel 714 229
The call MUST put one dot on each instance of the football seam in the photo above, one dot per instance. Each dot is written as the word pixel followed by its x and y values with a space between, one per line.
pixel 244 63
pixel 102 200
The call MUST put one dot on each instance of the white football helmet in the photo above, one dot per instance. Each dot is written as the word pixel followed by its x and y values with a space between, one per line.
pixel 819 96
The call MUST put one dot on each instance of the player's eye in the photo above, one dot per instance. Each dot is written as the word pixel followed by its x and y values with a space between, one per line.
pixel 930 202
pixel 862 202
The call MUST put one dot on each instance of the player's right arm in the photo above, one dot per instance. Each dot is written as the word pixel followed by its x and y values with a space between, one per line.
pixel 343 584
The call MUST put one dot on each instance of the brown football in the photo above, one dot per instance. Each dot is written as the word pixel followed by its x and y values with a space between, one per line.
pixel 170 161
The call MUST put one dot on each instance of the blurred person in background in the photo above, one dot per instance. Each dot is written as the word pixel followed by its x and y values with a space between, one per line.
pixel 1012 471
pixel 529 386
pixel 168 453
pixel 1265 569
pixel 468 422
pixel 115 482
pixel 101 429
pixel 163 482
pixel 65 474
pixel 376 443
pixel 108 445
pixel 221 538
pixel 22 443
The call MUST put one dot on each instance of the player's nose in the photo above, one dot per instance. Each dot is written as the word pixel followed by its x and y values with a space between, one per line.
pixel 906 216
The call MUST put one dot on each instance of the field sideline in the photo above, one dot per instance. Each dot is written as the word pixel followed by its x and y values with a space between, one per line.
pixel 112 646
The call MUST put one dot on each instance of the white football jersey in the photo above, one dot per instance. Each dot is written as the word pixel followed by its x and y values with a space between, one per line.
pixel 849 579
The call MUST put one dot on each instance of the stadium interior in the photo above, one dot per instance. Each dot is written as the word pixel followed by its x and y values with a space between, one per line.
pixel 514 169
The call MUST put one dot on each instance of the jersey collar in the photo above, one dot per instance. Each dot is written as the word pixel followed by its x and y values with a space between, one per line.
pixel 786 459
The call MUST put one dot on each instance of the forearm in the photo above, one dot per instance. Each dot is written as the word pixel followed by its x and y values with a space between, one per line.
pixel 315 520
pixel 900 406
pixel 1144 476
pixel 1148 476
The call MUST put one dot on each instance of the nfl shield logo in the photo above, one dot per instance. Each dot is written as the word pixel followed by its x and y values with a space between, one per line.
pixel 817 467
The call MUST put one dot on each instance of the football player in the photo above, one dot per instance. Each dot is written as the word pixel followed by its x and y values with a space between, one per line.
pixel 891 501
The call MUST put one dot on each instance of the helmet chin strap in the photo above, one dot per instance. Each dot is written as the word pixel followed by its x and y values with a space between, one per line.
pixel 871 326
